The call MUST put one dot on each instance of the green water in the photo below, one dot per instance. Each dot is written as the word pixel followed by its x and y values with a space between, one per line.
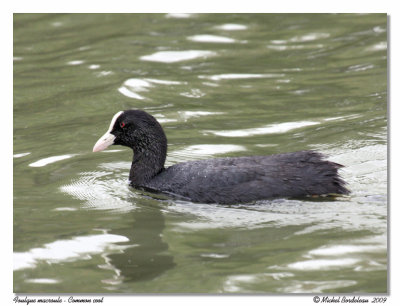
pixel 221 85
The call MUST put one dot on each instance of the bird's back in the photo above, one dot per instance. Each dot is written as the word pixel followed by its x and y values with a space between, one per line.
pixel 246 179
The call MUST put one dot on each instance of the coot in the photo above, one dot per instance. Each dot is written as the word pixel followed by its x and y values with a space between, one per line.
pixel 220 180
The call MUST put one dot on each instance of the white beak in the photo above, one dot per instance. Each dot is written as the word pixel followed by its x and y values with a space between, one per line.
pixel 105 141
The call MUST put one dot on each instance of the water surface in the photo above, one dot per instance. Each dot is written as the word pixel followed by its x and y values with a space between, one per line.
pixel 221 85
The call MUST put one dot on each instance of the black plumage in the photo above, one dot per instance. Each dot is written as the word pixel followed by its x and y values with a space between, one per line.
pixel 220 180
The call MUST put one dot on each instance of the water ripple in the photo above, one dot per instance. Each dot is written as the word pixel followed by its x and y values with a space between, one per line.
pixel 231 27
pixel 179 15
pixel 203 151
pixel 76 248
pixel 176 56
pixel 49 160
pixel 381 46
pixel 268 129
pixel 134 85
pixel 211 39
pixel 18 155
pixel 101 190
pixel 235 76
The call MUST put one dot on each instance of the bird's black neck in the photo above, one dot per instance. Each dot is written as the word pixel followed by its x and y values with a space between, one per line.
pixel 148 161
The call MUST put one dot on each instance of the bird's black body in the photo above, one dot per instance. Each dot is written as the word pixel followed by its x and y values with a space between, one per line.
pixel 220 180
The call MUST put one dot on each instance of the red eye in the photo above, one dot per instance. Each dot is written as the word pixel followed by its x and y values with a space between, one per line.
pixel 122 124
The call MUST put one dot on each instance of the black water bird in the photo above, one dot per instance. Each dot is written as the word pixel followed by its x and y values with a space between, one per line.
pixel 220 180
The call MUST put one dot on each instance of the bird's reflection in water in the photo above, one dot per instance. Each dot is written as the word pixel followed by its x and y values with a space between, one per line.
pixel 148 258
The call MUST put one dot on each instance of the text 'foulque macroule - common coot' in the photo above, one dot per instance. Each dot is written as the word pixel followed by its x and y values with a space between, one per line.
pixel 227 180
